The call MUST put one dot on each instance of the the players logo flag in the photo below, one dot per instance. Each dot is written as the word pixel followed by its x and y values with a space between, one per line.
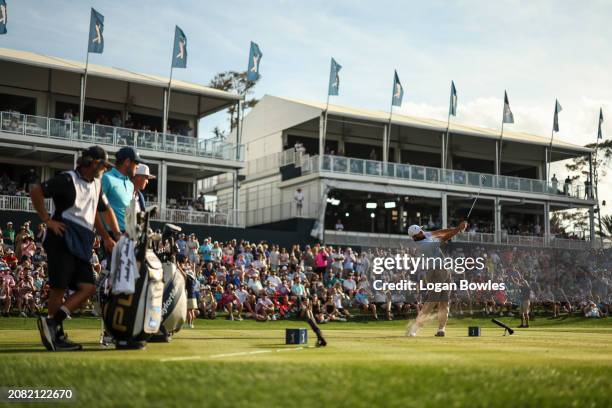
pixel 398 91
pixel 96 33
pixel 255 55
pixel 599 134
pixel 508 116
pixel 334 78
pixel 556 119
pixel 3 17
pixel 452 109
pixel 179 54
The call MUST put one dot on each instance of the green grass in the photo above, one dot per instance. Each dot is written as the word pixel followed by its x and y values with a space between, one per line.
pixel 560 362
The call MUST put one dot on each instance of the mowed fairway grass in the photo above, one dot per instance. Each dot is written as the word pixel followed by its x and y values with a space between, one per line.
pixel 555 363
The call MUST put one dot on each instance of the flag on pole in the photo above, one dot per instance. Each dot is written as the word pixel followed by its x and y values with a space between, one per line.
pixel 452 110
pixel 179 54
pixel 599 134
pixel 96 33
pixel 398 91
pixel 254 59
pixel 556 119
pixel 508 116
pixel 334 78
pixel 3 16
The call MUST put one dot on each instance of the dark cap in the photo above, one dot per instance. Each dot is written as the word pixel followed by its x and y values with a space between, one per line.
pixel 129 153
pixel 96 153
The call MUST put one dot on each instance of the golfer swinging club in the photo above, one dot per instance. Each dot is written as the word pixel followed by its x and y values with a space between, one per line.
pixel 78 200
pixel 428 244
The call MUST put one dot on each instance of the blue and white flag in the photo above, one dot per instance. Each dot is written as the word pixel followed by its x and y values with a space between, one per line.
pixel 556 119
pixel 508 116
pixel 398 91
pixel 452 109
pixel 96 33
pixel 3 17
pixel 179 54
pixel 255 55
pixel 599 133
pixel 334 78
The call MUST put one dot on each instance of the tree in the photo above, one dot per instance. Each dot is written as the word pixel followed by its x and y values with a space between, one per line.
pixel 606 222
pixel 580 166
pixel 234 81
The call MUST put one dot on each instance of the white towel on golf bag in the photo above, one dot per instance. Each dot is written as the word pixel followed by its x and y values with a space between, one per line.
pixel 124 269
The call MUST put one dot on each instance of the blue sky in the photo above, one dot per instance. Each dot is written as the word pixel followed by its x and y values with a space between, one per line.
pixel 538 51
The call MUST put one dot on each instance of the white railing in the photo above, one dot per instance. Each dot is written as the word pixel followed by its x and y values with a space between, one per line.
pixel 61 129
pixel 279 212
pixel 275 160
pixel 230 219
pixel 353 166
pixel 367 239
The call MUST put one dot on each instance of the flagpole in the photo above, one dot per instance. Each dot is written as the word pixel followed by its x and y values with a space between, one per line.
pixel 324 127
pixel 388 143
pixel 82 102
pixel 552 134
pixel 499 153
pixel 167 107
pixel 445 143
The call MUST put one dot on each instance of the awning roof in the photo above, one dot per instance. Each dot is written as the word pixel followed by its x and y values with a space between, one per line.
pixel 45 61
pixel 438 125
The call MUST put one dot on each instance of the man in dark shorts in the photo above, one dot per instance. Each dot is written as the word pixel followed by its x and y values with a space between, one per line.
pixel 429 245
pixel 79 203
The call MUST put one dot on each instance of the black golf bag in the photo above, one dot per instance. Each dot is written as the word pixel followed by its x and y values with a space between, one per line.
pixel 133 319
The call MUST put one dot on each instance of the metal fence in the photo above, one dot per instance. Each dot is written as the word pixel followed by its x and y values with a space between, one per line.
pixel 61 129
pixel 348 165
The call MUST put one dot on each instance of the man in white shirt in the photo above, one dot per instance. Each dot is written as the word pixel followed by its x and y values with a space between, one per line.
pixel 429 244
pixel 273 279
pixel 339 226
pixel 298 197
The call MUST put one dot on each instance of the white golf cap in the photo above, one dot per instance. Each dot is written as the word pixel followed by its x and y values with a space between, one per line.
pixel 143 170
pixel 414 230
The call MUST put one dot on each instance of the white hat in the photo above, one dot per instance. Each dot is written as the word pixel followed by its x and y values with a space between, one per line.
pixel 143 170
pixel 414 230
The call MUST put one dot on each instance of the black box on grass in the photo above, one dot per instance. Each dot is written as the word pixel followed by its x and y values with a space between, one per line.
pixel 296 336
pixel 474 331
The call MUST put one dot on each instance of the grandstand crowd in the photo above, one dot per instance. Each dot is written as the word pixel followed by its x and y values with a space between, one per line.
pixel 262 281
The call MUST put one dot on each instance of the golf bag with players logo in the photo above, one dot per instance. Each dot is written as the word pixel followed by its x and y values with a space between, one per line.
pixel 174 305
pixel 132 318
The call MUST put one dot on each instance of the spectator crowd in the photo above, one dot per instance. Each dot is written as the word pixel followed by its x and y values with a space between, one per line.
pixel 263 281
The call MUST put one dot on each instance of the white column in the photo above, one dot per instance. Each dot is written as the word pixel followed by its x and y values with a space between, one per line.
pixel 442 151
pixel 162 185
pixel 497 217
pixel 444 209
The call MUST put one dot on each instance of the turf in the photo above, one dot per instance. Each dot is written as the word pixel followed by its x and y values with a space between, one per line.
pixel 237 364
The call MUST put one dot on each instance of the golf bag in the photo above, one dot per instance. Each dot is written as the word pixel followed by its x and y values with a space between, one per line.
pixel 174 306
pixel 133 318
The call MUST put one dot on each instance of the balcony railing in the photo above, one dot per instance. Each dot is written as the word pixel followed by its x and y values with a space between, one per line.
pixel 367 239
pixel 228 219
pixel 353 166
pixel 61 129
